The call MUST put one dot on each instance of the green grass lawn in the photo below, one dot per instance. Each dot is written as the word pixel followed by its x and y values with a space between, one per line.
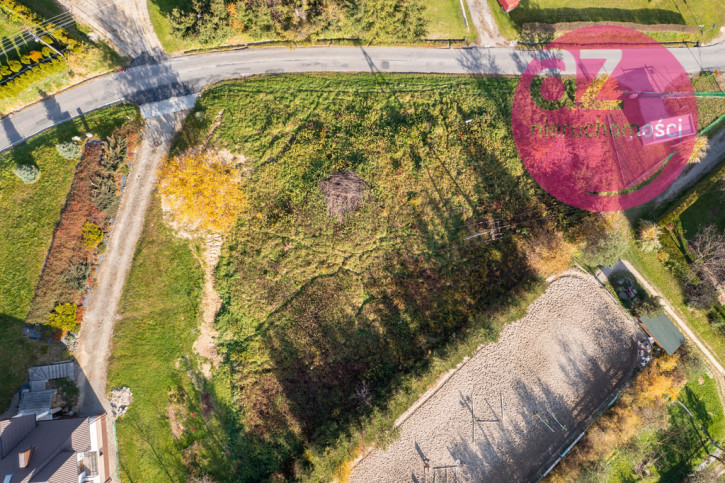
pixel 701 12
pixel 709 208
pixel 445 20
pixel 30 213
pixel 152 354
pixel 9 26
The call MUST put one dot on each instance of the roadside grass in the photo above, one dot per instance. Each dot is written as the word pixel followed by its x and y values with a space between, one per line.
pixel 443 20
pixel 9 26
pixel 152 354
pixel 702 12
pixel 30 213
pixel 709 109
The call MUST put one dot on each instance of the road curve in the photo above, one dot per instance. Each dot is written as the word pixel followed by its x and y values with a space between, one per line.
pixel 189 74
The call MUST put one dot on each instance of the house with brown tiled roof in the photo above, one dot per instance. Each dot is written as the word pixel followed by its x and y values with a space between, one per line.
pixel 56 451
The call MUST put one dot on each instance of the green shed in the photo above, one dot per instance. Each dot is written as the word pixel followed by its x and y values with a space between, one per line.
pixel 664 332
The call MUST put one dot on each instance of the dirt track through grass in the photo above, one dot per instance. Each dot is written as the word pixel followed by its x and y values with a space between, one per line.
pixel 568 356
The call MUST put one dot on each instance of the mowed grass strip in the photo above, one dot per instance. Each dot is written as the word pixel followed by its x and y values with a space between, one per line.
pixel 29 215
pixel 648 12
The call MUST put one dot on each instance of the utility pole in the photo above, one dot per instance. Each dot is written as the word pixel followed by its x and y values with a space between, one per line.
pixel 39 39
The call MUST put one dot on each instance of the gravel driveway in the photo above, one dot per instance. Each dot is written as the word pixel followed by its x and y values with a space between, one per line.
pixel 568 356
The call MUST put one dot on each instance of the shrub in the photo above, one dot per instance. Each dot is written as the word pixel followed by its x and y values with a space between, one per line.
pixel 700 295
pixel 15 66
pixel 604 250
pixel 115 152
pixel 63 317
pixel 104 193
pixel 647 306
pixel 77 275
pixel 92 234
pixel 649 236
pixel 28 173
pixel 699 150
pixel 69 150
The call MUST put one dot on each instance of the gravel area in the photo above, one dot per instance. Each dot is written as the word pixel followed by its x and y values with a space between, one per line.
pixel 573 349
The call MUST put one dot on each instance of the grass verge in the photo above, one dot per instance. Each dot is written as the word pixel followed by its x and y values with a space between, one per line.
pixel 152 354
pixel 30 213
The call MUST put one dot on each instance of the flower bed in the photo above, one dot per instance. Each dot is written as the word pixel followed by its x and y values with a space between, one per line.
pixel 77 244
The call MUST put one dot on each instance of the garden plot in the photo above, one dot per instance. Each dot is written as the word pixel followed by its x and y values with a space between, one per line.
pixel 562 362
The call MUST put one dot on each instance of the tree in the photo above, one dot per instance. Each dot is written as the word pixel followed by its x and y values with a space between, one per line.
pixel 647 306
pixel 69 150
pixel 604 250
pixel 699 150
pixel 202 191
pixel 649 236
pixel 709 248
pixel 63 317
pixel 701 295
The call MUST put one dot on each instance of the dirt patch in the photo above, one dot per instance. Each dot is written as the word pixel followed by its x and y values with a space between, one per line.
pixel 345 192
pixel 566 358
pixel 205 345
pixel 207 406
pixel 486 26
pixel 176 427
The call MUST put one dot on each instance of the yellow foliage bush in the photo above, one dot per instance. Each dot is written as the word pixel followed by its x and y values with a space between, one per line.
pixel 202 191
pixel 699 150
pixel 547 252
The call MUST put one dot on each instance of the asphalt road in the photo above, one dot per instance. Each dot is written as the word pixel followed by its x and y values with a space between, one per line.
pixel 189 74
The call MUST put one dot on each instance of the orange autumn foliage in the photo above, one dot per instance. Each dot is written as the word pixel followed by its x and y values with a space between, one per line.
pixel 202 191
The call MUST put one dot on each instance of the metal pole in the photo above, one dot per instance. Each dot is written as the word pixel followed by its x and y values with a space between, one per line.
pixel 537 415
pixel 557 421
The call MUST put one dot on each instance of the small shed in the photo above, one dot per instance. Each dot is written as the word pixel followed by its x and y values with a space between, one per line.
pixel 664 332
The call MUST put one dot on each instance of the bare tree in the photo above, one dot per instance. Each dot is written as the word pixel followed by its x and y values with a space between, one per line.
pixel 709 247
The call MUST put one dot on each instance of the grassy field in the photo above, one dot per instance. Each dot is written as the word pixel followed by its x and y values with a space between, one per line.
pixel 442 18
pixel 702 12
pixel 152 355
pixel 316 309
pixel 30 213
pixel 9 25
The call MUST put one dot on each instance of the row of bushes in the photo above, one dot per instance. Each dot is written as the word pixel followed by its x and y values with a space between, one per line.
pixel 29 67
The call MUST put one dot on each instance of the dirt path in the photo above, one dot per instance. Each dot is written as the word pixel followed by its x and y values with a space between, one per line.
pixel 486 26
pixel 94 340
pixel 125 24
pixel 564 360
